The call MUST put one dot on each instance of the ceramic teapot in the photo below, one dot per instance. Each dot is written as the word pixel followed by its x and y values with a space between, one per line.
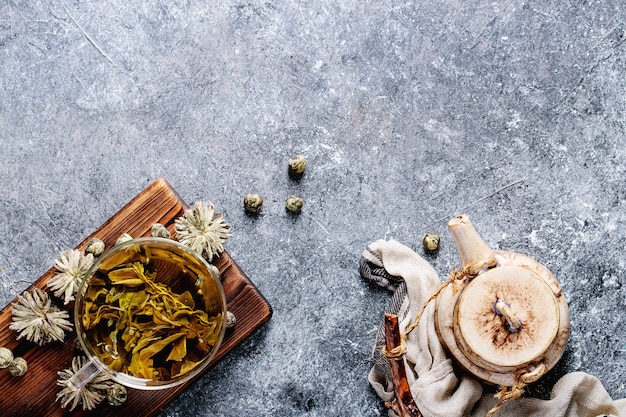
pixel 504 318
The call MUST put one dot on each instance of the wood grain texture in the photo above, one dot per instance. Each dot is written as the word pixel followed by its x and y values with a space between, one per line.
pixel 35 393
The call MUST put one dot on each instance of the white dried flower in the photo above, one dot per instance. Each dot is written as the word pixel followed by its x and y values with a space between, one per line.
pixel 159 230
pixel 37 319
pixel 72 266
pixel 253 202
pixel 216 272
pixel 202 230
pixel 124 237
pixel 6 356
pixel 95 246
pixel 89 395
pixel 116 394
pixel 297 165
pixel 294 204
pixel 18 367
pixel 231 320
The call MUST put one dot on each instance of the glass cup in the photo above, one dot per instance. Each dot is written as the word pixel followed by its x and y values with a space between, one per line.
pixel 150 314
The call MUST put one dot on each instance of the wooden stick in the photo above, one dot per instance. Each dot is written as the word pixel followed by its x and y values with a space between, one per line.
pixel 404 405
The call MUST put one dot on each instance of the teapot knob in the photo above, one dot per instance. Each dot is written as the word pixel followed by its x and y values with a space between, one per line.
pixel 502 308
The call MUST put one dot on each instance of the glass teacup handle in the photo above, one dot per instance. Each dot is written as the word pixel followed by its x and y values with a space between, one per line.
pixel 85 374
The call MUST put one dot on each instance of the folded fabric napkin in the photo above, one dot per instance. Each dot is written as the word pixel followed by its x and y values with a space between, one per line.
pixel 437 388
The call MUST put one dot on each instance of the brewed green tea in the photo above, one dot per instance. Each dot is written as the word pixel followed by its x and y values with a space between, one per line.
pixel 151 312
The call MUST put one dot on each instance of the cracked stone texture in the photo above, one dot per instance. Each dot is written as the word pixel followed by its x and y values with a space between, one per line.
pixel 408 113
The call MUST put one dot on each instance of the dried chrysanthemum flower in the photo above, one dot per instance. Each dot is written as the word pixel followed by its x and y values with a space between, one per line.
pixel 202 230
pixel 297 165
pixel 37 319
pixel 431 241
pixel 294 204
pixel 253 202
pixel 124 237
pixel 116 394
pixel 216 272
pixel 231 320
pixel 6 356
pixel 18 367
pixel 72 266
pixel 159 230
pixel 95 246
pixel 89 395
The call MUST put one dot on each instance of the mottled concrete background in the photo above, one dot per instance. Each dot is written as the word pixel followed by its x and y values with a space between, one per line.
pixel 408 113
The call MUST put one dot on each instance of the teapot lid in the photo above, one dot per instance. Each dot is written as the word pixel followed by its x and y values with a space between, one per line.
pixel 506 317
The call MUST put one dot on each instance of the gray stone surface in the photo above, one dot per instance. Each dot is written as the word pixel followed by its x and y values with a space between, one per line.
pixel 408 112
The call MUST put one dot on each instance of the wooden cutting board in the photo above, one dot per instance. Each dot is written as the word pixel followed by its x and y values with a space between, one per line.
pixel 34 394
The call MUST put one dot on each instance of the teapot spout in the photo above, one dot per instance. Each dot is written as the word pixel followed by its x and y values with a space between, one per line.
pixel 472 249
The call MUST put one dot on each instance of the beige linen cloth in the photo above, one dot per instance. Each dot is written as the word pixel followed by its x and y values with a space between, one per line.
pixel 439 391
